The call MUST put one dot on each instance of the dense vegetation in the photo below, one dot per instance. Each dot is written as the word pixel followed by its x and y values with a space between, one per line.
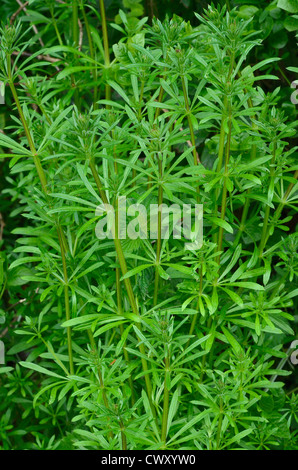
pixel 141 343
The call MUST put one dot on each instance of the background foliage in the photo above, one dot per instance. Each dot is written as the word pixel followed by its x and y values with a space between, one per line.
pixel 134 344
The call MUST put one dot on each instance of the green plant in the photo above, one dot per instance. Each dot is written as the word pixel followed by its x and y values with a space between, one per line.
pixel 138 343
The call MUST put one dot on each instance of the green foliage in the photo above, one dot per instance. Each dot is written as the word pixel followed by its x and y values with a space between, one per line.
pixel 140 343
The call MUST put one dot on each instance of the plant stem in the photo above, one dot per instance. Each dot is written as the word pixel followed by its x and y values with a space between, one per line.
pixel 123 437
pixel 100 377
pixel 158 244
pixel 43 111
pixel 92 53
pixel 43 182
pixel 55 26
pixel 195 317
pixel 120 310
pixel 36 159
pixel 267 210
pixel 105 44
pixel 226 106
pixel 157 112
pixel 141 99
pixel 196 158
pixel 75 29
pixel 225 191
pixel 219 426
pixel 190 125
pixel 128 287
pixel 165 414
pixel 66 297
pixel 253 154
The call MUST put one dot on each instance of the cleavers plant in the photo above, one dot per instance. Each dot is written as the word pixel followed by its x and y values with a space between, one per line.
pixel 139 343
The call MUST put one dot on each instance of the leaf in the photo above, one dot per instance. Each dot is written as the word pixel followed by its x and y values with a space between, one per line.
pixel 237 437
pixel 291 23
pixel 69 197
pixel 199 341
pixel 278 40
pixel 235 297
pixel 120 91
pixel 168 89
pixel 4 370
pixel 180 268
pixel 173 409
pixel 41 370
pixel 22 346
pixel 233 261
pixel 188 425
pixel 24 260
pixel 248 285
pixel 149 413
pixel 135 88
pixel 7 142
pixel 136 270
pixel 81 320
pixel 267 404
pixel 267 273
pixel 71 70
pixel 87 183
pixel 233 342
pixel 289 5
pixel 211 338
pixel 112 324
pixel 221 223
pixel 122 341
pixel 266 384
